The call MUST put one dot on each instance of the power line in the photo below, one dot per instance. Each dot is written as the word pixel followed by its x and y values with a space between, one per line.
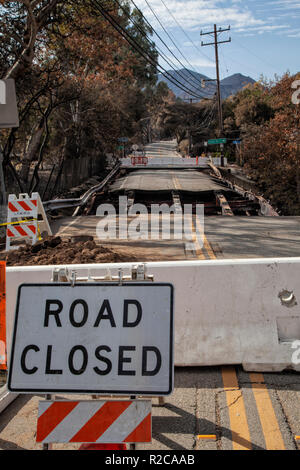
pixel 164 43
pixel 171 39
pixel 133 43
pixel 255 55
pixel 246 48
pixel 184 32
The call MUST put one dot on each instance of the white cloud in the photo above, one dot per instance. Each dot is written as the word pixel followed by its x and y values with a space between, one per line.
pixel 194 14
pixel 245 17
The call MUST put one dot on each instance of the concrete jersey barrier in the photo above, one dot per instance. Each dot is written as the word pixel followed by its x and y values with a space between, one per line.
pixel 226 311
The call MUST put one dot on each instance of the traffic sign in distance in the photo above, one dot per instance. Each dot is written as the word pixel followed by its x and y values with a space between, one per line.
pixel 216 141
pixel 93 338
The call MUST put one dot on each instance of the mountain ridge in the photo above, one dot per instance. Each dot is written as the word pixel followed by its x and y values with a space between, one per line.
pixel 192 80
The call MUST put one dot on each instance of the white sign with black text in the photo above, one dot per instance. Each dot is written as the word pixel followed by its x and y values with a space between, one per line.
pixel 93 338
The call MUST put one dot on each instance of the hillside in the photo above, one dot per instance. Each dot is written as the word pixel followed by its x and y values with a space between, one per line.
pixel 229 85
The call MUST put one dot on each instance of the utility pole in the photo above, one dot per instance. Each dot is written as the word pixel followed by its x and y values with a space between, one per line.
pixel 216 43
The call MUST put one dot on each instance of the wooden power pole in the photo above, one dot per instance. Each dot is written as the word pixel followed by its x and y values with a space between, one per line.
pixel 216 43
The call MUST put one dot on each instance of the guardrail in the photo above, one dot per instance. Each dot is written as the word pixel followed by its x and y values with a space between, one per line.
pixel 57 204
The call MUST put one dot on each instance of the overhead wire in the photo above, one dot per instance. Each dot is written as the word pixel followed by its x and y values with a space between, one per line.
pixel 204 92
pixel 247 49
pixel 184 32
pixel 161 53
pixel 138 48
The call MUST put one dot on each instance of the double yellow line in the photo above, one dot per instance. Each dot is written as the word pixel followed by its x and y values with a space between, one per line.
pixel 241 438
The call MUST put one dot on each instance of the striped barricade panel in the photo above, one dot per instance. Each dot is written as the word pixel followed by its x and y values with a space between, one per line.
pixel 94 421
pixel 139 161
pixel 22 208
pixel 22 219
pixel 23 230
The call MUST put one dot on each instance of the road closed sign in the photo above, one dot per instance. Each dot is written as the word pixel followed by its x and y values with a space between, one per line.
pixel 93 338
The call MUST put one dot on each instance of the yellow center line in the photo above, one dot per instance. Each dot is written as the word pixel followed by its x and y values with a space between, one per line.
pixel 241 439
pixel 176 182
pixel 207 245
pixel 269 423
pixel 198 228
pixel 199 251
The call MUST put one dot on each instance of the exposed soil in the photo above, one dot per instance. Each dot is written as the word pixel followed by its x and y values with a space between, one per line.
pixel 55 251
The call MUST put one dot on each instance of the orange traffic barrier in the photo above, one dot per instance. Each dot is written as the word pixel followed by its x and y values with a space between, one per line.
pixel 139 160
pixel 103 447
pixel 3 361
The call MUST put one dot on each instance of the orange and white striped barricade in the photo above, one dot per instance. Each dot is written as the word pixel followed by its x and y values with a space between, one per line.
pixel 139 160
pixel 3 356
pixel 94 422
pixel 26 219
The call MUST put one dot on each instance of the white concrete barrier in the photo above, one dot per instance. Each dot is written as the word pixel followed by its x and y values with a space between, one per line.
pixel 226 311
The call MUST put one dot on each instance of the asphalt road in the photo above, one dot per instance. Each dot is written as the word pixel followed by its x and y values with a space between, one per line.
pixel 162 149
pixel 167 180
pixel 212 408
pixel 228 237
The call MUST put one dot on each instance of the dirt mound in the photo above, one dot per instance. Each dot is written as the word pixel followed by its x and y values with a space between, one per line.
pixel 54 251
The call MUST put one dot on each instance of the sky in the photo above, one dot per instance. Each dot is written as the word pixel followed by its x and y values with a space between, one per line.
pixel 265 35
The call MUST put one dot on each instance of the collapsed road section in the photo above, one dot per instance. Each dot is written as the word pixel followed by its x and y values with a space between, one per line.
pixel 238 223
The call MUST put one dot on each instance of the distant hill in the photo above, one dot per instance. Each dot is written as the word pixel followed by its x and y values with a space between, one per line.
pixel 229 85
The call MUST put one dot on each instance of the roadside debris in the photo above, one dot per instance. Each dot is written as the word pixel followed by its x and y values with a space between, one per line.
pixel 55 251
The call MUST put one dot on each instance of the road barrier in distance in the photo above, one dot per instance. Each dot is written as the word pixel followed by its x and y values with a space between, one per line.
pixel 170 162
pixel 139 161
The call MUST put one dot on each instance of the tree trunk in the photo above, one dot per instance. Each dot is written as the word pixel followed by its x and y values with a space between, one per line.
pixel 32 150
